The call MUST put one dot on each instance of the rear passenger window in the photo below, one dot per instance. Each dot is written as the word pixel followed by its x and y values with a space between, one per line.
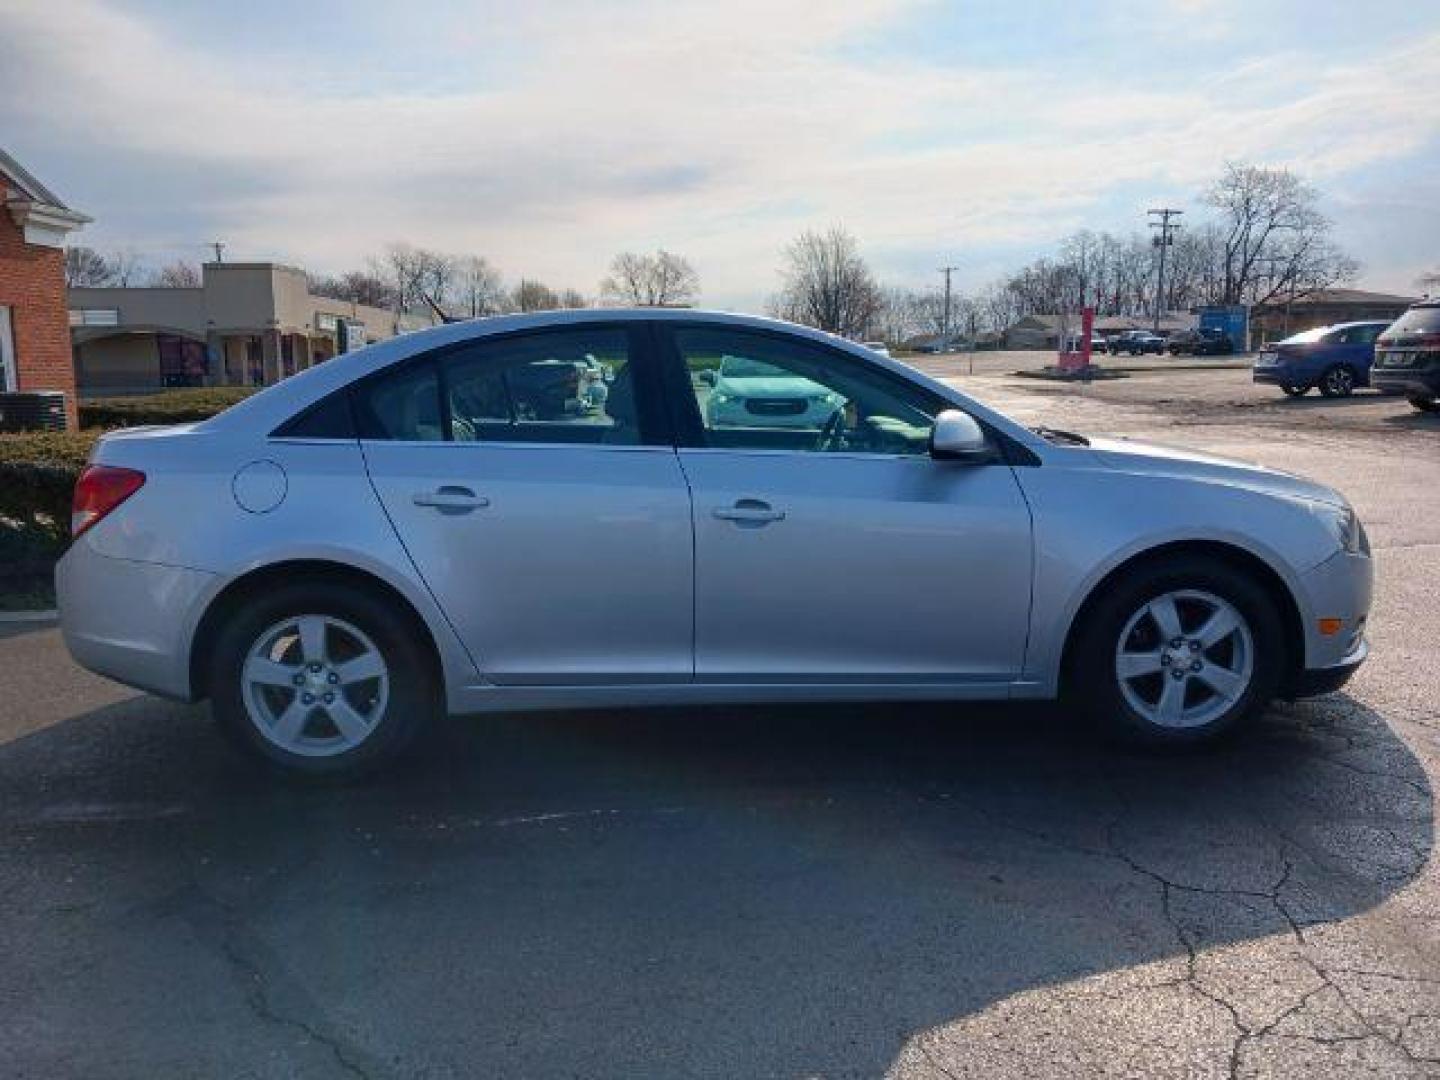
pixel 555 386
pixel 402 405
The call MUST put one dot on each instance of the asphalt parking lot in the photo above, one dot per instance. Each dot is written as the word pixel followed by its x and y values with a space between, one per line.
pixel 918 891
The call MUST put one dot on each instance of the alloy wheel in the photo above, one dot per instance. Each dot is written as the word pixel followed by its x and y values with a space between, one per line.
pixel 1340 381
pixel 315 685
pixel 1184 659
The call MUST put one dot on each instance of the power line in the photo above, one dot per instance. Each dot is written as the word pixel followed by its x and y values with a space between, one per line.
pixel 1162 241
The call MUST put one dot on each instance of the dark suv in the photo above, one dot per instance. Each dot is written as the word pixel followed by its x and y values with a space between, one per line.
pixel 1201 341
pixel 1136 343
pixel 1407 357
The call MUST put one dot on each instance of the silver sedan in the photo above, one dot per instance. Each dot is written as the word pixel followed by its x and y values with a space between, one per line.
pixel 423 526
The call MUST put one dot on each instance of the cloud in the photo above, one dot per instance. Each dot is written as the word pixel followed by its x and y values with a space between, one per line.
pixel 561 133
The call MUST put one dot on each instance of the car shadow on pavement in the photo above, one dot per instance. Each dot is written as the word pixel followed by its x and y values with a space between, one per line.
pixel 718 891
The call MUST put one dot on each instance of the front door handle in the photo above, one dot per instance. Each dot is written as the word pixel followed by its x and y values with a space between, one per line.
pixel 451 499
pixel 749 512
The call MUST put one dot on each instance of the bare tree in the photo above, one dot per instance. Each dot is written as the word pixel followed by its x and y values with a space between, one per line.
pixel 663 279
pixel 86 266
pixel 177 275
pixel 1429 280
pixel 127 267
pixel 356 286
pixel 534 296
pixel 478 288
pixel 1276 241
pixel 414 274
pixel 573 298
pixel 826 283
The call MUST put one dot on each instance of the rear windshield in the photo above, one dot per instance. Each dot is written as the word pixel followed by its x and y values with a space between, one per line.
pixel 1419 320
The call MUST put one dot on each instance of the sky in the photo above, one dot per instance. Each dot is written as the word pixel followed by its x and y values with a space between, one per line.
pixel 548 135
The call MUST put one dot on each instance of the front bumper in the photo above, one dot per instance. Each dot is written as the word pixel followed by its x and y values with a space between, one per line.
pixel 1312 682
pixel 1340 588
pixel 130 621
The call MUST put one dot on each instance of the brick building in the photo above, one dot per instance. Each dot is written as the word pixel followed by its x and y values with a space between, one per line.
pixel 34 327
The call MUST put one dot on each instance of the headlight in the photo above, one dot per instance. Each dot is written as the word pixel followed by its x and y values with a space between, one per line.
pixel 1348 530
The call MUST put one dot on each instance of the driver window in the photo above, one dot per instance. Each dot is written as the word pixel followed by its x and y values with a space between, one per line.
pixel 754 391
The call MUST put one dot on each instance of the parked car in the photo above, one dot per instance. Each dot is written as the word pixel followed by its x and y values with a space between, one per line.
pixel 1335 358
pixel 749 392
pixel 1200 341
pixel 1407 357
pixel 331 565
pixel 1136 343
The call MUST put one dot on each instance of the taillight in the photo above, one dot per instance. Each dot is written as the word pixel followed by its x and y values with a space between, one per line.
pixel 100 489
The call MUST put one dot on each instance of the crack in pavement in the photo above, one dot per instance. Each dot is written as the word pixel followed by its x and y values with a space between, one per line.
pixel 221 923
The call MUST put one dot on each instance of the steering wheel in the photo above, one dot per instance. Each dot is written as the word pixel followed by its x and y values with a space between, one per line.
pixel 832 433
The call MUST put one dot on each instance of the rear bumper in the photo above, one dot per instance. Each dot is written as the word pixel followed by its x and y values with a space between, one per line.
pixel 1279 376
pixel 130 621
pixel 1410 383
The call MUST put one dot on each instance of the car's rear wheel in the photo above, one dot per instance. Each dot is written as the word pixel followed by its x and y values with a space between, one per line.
pixel 1424 404
pixel 1338 381
pixel 1295 391
pixel 322 679
pixel 1178 653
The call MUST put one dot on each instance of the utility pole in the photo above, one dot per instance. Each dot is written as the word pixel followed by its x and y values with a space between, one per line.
pixel 219 246
pixel 1163 240
pixel 945 319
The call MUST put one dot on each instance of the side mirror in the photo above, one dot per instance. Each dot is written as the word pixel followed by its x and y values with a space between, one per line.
pixel 957 437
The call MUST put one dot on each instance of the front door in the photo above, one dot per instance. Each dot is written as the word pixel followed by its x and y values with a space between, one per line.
pixel 829 546
pixel 547 514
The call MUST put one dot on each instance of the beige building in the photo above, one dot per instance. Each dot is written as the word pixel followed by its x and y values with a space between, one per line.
pixel 247 324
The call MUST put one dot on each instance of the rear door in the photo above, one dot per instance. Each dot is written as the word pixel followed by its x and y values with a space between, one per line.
pixel 533 481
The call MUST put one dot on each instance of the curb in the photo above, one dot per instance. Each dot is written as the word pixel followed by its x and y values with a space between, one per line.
pixel 28 616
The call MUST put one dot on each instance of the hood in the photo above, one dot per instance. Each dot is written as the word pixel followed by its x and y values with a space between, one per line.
pixel 1154 460
pixel 770 386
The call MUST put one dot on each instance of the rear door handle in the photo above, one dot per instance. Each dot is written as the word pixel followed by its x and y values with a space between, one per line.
pixel 749 512
pixel 454 499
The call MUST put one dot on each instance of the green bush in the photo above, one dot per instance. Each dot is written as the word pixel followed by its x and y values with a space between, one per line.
pixel 37 478
pixel 171 407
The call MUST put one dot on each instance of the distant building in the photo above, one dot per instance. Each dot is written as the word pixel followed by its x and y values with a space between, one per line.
pixel 34 342
pixel 1285 316
pixel 248 324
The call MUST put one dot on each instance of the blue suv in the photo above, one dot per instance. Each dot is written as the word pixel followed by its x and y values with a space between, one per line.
pixel 1335 358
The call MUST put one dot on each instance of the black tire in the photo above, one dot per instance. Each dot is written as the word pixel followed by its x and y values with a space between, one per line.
pixel 1338 381
pixel 1424 404
pixel 1295 391
pixel 414 696
pixel 1091 680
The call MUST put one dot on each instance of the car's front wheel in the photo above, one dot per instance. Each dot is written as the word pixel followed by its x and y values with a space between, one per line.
pixel 1178 652
pixel 322 679
pixel 1424 404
